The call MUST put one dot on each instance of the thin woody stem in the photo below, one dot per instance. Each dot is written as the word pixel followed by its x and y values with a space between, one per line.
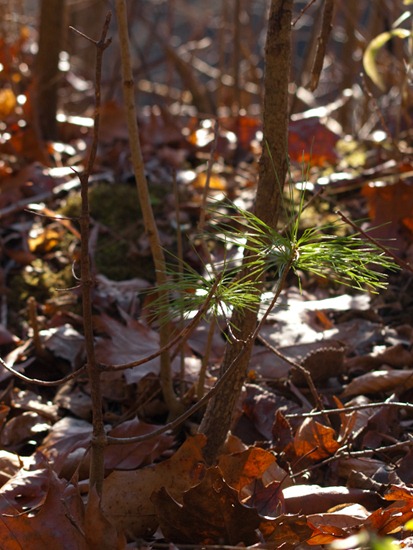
pixel 87 282
pixel 169 395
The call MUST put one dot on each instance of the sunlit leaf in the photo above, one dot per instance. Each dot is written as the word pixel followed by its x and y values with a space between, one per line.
pixel 370 54
pixel 7 102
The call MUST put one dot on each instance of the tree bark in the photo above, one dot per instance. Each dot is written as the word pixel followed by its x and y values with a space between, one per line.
pixel 272 173
pixel 47 65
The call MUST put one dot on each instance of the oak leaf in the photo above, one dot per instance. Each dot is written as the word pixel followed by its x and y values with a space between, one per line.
pixel 210 514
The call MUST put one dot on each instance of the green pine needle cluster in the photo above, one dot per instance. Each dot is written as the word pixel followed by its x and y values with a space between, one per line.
pixel 348 260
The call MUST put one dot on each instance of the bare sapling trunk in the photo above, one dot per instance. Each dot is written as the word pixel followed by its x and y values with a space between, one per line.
pixel 175 407
pixel 272 174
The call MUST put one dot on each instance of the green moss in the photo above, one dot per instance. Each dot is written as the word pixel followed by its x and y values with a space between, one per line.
pixel 117 259
pixel 116 208
pixel 109 204
pixel 40 281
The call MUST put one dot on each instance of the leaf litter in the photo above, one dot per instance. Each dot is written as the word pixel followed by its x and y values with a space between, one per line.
pixel 294 475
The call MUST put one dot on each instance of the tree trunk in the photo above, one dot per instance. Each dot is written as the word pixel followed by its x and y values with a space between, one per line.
pixel 47 65
pixel 272 173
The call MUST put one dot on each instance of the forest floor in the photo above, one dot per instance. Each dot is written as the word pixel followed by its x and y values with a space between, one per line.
pixel 307 464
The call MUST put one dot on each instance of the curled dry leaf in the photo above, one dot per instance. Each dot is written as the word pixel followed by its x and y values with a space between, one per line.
pixel 241 469
pixel 393 518
pixel 385 380
pixel 337 524
pixel 314 441
pixel 311 499
pixel 10 464
pixel 268 499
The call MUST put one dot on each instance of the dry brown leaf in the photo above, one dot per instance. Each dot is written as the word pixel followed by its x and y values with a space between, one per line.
pixel 126 495
pixel 59 518
pixel 8 102
pixel 10 464
pixel 385 380
pixel 134 455
pixel 211 514
pixel 339 523
pixel 268 499
pixel 314 441
pixel 127 343
pixel 310 499
pixel 215 182
pixel 290 530
pixel 241 469
pixel 392 519
pixel 393 203
pixel 100 533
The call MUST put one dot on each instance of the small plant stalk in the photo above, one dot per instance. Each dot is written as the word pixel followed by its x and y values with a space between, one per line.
pixel 174 405
pixel 272 174
pixel 99 435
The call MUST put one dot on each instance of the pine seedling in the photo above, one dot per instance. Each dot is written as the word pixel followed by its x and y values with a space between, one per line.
pixel 322 251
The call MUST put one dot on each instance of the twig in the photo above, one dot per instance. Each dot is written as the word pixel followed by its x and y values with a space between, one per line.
pixel 304 372
pixel 353 408
pixel 236 61
pixel 196 407
pixel 399 261
pixel 99 436
pixel 205 360
pixel 302 12
pixel 46 383
pixel 179 338
pixel 180 257
pixel 326 27
pixel 34 323
pixel 210 165
pixel 378 111
pixel 344 453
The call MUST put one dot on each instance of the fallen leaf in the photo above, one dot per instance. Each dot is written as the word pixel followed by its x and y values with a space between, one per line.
pixel 10 464
pixel 53 513
pixel 241 469
pixel 314 441
pixel 126 498
pixel 127 343
pixel 210 514
pixel 268 499
pixel 384 380
pixel 389 207
pixel 100 533
pixel 286 529
pixel 393 519
pixel 134 455
pixel 311 142
pixel 7 102
pixel 372 50
pixel 310 499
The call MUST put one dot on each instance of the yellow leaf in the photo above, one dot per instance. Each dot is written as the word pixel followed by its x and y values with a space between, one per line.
pixel 370 54
pixel 215 182
pixel 7 102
